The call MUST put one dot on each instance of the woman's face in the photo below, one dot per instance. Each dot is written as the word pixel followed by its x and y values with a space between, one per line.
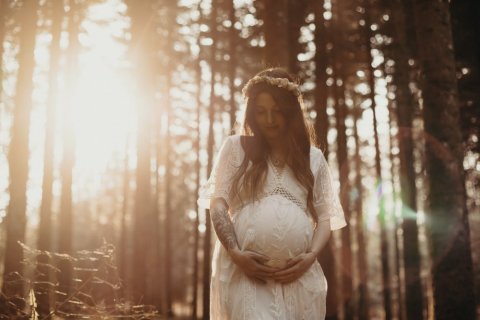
pixel 270 120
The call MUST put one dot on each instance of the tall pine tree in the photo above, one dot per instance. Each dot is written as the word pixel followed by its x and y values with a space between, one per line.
pixel 447 216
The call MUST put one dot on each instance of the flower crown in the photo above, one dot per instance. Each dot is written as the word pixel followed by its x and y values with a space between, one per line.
pixel 278 82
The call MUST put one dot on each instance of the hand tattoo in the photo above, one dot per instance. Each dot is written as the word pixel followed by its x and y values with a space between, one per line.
pixel 223 226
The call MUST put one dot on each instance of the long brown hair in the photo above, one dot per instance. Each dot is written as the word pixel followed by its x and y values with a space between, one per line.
pixel 298 139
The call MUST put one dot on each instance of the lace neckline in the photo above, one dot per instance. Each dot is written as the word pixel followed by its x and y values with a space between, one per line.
pixel 278 171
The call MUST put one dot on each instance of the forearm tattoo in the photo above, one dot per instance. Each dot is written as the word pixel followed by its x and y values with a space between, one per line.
pixel 223 226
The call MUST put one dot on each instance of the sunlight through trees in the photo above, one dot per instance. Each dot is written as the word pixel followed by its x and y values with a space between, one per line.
pixel 111 113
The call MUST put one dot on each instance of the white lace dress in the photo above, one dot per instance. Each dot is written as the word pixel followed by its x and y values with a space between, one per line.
pixel 277 225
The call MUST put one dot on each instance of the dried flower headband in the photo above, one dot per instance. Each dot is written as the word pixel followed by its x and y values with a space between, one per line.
pixel 278 82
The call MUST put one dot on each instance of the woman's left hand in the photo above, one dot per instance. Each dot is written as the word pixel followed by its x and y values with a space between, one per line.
pixel 295 267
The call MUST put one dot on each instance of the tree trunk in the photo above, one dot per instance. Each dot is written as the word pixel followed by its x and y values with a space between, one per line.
pixel 68 152
pixel 398 252
pixel 44 236
pixel 448 222
pixel 274 29
pixel 142 205
pixel 141 14
pixel 361 303
pixel 168 195
pixel 326 258
pixel 208 228
pixel 382 215
pixel 124 230
pixel 295 15
pixel 157 281
pixel 45 224
pixel 404 112
pixel 339 66
pixel 320 93
pixel 171 219
pixel 196 223
pixel 233 62
pixel 18 153
pixel 4 10
pixel 466 30
pixel 211 141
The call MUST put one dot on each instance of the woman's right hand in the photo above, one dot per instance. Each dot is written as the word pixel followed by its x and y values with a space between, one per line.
pixel 253 264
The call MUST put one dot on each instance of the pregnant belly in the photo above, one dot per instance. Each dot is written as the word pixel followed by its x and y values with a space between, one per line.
pixel 275 227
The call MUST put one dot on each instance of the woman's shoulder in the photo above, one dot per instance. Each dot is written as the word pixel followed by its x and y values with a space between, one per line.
pixel 315 152
pixel 229 141
pixel 233 147
pixel 233 140
pixel 316 158
pixel 241 142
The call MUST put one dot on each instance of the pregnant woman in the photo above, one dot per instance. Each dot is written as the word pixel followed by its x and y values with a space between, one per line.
pixel 273 207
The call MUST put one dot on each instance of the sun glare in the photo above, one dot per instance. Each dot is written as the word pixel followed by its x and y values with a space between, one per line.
pixel 103 116
pixel 103 99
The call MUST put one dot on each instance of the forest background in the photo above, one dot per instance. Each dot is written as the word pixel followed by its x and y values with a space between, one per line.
pixel 111 113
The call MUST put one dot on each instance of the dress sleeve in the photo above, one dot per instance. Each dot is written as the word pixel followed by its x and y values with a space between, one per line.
pixel 325 198
pixel 224 168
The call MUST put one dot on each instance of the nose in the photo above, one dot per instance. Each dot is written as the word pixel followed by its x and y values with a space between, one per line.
pixel 270 117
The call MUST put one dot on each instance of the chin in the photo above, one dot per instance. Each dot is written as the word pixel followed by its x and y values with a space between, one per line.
pixel 273 135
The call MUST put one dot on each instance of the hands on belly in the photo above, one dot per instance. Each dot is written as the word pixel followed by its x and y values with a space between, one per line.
pixel 253 264
pixel 294 268
pixel 262 268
